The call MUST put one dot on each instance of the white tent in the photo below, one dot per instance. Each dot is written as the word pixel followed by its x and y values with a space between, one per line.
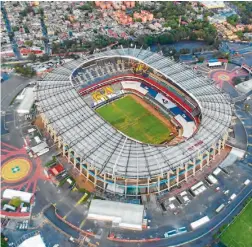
pixel 24 196
pixel 123 215
pixel 33 241
pixel 27 102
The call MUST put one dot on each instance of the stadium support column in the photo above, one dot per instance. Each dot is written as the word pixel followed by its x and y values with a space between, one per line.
pixel 214 148
pixel 114 185
pixel 169 179
pixel 81 161
pixel 219 146
pixel 59 143
pixel 87 171
pixel 125 188
pixel 64 150
pixel 177 175
pixel 74 158
pixel 200 157
pixel 208 157
pixel 225 137
pixel 55 137
pixel 69 155
pixel 158 184
pixel 148 186
pixel 95 179
pixel 186 172
pixel 104 183
pixel 194 166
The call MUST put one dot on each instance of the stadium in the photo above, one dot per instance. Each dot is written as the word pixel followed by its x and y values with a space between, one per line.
pixel 133 122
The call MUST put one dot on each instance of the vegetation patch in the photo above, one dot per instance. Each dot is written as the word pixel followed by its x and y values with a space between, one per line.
pixel 239 233
pixel 15 202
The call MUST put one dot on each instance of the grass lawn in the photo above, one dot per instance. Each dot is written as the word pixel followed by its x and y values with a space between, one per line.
pixel 239 234
pixel 135 121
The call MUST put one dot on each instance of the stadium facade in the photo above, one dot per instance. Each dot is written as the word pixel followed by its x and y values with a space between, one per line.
pixel 111 161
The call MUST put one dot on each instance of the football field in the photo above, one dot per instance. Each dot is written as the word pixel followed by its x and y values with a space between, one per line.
pixel 135 121
pixel 239 233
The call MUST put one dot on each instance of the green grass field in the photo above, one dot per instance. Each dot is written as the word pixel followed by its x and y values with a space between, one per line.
pixel 239 234
pixel 135 121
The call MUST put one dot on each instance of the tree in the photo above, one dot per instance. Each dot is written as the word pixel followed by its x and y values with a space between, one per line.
pixel 44 58
pixel 239 34
pixel 25 70
pixel 236 80
pixel 4 242
pixel 28 43
pixel 15 202
pixel 32 57
pixel 201 59
pixel 233 19
pixel 15 28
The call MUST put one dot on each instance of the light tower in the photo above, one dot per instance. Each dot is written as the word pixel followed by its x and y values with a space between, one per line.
pixel 10 32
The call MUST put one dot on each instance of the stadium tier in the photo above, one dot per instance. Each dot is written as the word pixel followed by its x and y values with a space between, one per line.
pixel 110 160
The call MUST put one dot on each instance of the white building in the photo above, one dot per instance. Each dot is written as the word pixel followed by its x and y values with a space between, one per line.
pixel 124 215
pixel 27 102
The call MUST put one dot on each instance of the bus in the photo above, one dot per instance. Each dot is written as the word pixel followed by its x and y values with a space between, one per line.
pixel 220 208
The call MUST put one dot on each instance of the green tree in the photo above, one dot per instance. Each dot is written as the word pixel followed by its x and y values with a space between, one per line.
pixel 44 58
pixel 239 34
pixel 4 241
pixel 201 59
pixel 32 57
pixel 28 43
pixel 15 202
pixel 233 19
pixel 15 29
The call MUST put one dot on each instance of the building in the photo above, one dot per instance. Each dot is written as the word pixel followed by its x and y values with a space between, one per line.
pixel 27 101
pixel 213 4
pixel 123 215
pixel 112 162
pixel 245 86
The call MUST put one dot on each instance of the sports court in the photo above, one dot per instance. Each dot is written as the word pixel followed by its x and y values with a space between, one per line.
pixel 135 120
pixel 239 233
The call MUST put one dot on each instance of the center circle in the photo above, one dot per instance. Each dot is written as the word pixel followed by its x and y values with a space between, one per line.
pixel 15 170
pixel 224 77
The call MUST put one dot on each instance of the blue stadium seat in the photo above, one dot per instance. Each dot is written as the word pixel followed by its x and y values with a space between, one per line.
pixel 151 91
pixel 178 111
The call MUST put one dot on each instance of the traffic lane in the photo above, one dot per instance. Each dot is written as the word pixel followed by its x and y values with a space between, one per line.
pixel 206 230
pixel 49 213
pixel 10 89
pixel 51 236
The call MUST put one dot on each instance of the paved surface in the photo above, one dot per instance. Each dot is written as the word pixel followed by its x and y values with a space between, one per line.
pixel 221 75
pixel 45 221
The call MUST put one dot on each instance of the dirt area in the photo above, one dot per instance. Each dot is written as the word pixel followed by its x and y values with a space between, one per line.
pixel 38 122
pixel 81 181
pixel 153 111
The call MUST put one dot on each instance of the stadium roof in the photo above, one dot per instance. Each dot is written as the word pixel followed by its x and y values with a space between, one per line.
pixel 107 149
pixel 123 214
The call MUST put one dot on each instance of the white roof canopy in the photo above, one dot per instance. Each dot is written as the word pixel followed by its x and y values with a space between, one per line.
pixel 126 215
pixel 24 196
